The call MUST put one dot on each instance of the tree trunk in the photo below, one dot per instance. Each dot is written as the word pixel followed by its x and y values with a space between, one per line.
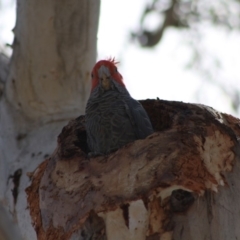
pixel 167 186
pixel 54 50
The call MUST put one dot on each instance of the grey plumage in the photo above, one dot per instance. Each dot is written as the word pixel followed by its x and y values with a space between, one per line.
pixel 114 118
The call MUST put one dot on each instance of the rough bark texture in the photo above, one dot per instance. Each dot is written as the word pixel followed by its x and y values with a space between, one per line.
pixel 54 50
pixel 138 191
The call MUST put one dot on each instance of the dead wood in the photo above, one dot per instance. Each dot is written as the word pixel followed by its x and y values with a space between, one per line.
pixel 193 148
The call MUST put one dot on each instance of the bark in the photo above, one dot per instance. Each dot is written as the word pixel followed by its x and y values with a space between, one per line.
pixel 54 50
pixel 4 61
pixel 8 230
pixel 179 183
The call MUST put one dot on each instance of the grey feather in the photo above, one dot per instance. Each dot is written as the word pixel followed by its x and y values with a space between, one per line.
pixel 113 119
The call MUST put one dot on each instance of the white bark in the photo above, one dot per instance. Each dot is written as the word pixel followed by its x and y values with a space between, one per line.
pixel 7 229
pixel 53 52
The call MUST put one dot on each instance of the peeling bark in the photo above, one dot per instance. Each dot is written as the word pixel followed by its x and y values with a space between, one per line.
pixel 138 191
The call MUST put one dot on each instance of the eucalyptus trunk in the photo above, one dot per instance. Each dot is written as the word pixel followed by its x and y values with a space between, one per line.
pixel 46 85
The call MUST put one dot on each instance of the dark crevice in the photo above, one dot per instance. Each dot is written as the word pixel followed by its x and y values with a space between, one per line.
pixel 16 181
pixel 125 212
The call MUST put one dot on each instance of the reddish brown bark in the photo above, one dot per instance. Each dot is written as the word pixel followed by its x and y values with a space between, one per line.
pixel 192 148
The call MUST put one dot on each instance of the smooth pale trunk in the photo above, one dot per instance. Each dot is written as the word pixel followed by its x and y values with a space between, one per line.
pixel 54 50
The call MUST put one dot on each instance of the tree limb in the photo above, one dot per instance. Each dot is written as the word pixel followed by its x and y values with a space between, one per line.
pixel 192 149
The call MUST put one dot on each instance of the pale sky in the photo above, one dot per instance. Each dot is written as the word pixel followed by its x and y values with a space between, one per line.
pixel 160 71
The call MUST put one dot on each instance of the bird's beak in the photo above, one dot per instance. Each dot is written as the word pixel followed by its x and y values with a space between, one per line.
pixel 105 82
pixel 105 79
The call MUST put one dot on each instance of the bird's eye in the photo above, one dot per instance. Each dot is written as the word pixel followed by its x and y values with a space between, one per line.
pixel 92 75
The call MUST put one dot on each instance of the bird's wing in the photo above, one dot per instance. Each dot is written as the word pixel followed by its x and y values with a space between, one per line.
pixel 139 118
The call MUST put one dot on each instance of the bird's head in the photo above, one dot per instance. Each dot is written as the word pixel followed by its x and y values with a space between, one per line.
pixel 105 74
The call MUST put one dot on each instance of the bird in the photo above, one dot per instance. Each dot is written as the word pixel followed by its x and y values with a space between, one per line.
pixel 112 117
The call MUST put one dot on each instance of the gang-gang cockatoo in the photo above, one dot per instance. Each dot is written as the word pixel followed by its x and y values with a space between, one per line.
pixel 113 117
